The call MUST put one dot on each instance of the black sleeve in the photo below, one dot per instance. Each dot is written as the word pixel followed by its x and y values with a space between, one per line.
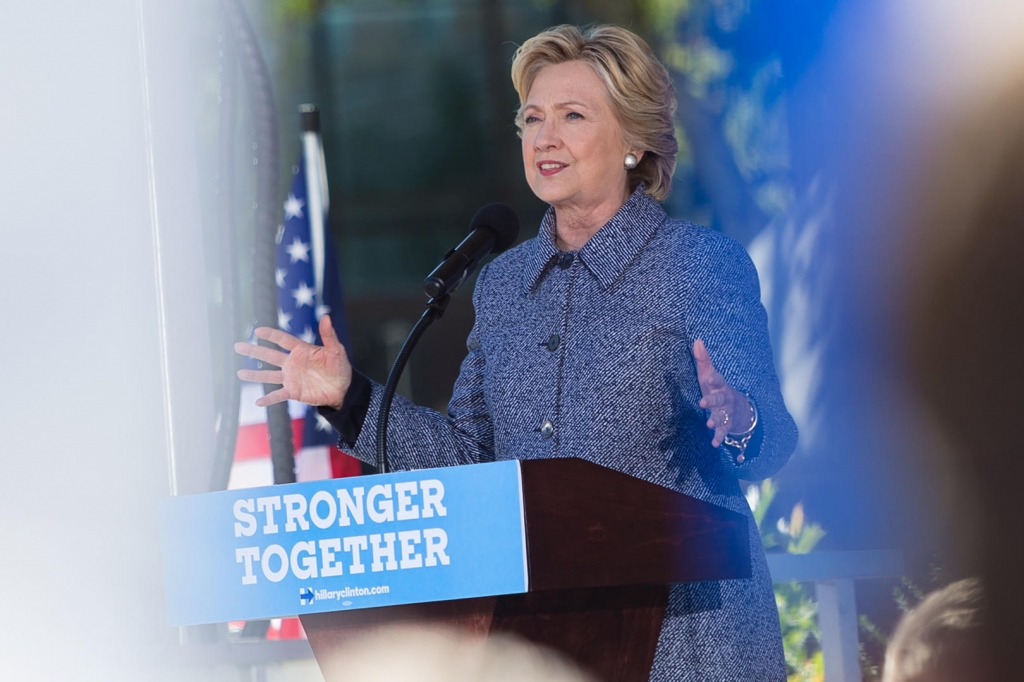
pixel 348 421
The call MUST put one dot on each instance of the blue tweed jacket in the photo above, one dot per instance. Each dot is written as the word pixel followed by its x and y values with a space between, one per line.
pixel 589 355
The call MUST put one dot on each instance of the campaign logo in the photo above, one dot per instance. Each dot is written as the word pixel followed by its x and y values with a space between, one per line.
pixel 307 596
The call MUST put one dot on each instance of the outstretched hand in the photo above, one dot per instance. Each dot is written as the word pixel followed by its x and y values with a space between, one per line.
pixel 730 409
pixel 315 375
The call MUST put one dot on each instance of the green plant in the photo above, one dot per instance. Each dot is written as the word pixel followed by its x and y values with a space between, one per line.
pixel 798 611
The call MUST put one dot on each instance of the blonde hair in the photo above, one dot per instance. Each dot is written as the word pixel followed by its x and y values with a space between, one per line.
pixel 639 86
pixel 941 639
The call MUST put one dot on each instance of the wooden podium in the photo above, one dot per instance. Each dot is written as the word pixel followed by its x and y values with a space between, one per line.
pixel 603 549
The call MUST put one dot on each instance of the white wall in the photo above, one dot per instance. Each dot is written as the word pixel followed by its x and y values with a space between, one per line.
pixel 83 415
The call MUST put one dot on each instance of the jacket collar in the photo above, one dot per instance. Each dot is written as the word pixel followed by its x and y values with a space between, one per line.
pixel 612 248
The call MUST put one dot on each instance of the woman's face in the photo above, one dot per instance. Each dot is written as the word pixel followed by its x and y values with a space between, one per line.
pixel 573 148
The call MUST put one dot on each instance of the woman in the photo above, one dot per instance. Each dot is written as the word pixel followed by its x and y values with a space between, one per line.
pixel 595 340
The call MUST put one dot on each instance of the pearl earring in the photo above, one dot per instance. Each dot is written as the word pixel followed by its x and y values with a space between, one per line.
pixel 631 161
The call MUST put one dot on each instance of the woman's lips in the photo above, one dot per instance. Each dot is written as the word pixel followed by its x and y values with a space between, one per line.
pixel 549 168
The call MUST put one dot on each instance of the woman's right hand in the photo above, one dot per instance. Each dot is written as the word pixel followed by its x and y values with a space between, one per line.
pixel 315 375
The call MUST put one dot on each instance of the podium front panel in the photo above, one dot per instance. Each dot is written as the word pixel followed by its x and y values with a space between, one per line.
pixel 340 544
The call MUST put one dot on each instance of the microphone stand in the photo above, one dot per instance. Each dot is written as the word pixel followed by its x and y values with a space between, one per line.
pixel 435 309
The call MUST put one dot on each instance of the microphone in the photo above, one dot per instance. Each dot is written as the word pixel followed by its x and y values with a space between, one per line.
pixel 493 228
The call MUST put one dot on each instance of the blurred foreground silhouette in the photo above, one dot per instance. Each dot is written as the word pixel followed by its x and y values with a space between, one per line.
pixel 408 654
pixel 965 338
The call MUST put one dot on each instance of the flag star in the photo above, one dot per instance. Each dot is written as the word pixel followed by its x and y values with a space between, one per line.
pixel 293 207
pixel 303 295
pixel 283 320
pixel 322 310
pixel 279 275
pixel 298 250
pixel 307 335
pixel 321 423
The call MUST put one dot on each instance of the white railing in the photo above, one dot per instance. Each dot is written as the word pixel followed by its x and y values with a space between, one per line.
pixel 833 574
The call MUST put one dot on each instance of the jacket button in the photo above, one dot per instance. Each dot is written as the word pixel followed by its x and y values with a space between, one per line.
pixel 553 342
pixel 546 429
pixel 565 260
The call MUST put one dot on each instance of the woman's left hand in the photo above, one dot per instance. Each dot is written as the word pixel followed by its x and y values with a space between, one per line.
pixel 730 409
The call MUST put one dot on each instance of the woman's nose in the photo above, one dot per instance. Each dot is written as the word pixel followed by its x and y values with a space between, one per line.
pixel 547 137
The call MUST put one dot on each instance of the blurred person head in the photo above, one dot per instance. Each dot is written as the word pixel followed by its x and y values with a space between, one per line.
pixel 589 98
pixel 941 638
pixel 966 324
pixel 409 654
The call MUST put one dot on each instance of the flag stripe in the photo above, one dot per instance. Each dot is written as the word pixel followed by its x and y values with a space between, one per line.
pixel 254 440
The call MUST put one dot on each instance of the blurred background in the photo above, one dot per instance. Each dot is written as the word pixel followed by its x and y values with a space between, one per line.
pixel 149 148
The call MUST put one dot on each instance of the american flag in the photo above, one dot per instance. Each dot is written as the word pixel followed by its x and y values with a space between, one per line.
pixel 308 287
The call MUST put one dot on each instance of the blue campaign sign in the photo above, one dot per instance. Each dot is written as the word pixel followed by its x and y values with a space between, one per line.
pixel 347 543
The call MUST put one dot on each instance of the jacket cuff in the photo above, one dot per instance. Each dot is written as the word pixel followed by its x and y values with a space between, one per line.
pixel 348 421
pixel 739 460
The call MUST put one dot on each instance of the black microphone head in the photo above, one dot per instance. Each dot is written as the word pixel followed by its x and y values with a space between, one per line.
pixel 500 218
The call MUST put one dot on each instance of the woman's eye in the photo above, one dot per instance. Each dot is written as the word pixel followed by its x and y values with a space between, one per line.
pixel 530 119
pixel 574 116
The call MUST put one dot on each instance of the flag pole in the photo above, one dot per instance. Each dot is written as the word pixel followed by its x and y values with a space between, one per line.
pixel 330 298
pixel 316 191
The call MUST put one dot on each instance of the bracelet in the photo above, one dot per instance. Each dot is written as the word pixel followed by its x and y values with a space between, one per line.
pixel 740 441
